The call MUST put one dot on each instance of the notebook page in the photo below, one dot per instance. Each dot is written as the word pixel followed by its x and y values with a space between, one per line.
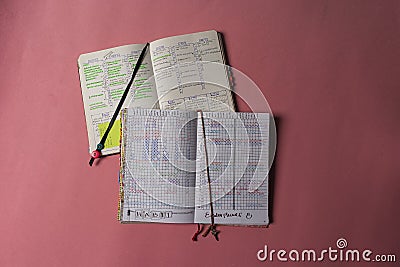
pixel 158 166
pixel 237 149
pixel 190 73
pixel 104 76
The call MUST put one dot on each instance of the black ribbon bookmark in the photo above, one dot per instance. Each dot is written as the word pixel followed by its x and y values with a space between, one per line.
pixel 97 153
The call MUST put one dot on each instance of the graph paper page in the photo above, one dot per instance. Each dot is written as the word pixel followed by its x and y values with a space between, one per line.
pixel 237 149
pixel 158 155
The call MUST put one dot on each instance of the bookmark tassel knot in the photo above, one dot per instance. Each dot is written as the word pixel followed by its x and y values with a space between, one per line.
pixel 212 228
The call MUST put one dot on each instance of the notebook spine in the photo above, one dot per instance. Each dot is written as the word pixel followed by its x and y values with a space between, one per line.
pixel 122 163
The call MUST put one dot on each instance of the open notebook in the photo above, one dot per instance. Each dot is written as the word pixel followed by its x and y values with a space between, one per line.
pixel 180 72
pixel 163 174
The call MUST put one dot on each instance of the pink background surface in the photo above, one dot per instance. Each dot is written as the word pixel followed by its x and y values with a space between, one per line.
pixel 329 69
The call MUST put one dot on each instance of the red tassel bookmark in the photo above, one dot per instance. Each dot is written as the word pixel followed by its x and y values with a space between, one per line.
pixel 199 230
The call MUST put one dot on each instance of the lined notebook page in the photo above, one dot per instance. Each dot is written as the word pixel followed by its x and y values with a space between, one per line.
pixel 104 76
pixel 237 149
pixel 190 73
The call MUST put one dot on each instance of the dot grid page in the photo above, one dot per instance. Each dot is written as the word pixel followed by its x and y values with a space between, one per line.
pixel 158 165
pixel 237 149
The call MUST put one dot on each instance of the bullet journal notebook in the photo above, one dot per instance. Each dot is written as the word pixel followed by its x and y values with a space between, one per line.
pixel 180 72
pixel 176 164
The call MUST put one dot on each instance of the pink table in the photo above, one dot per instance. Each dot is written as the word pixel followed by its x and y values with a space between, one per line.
pixel 329 69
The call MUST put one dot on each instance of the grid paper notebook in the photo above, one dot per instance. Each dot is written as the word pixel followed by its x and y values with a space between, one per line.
pixel 163 175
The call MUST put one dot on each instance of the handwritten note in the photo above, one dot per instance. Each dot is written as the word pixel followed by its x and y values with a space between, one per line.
pixel 164 169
